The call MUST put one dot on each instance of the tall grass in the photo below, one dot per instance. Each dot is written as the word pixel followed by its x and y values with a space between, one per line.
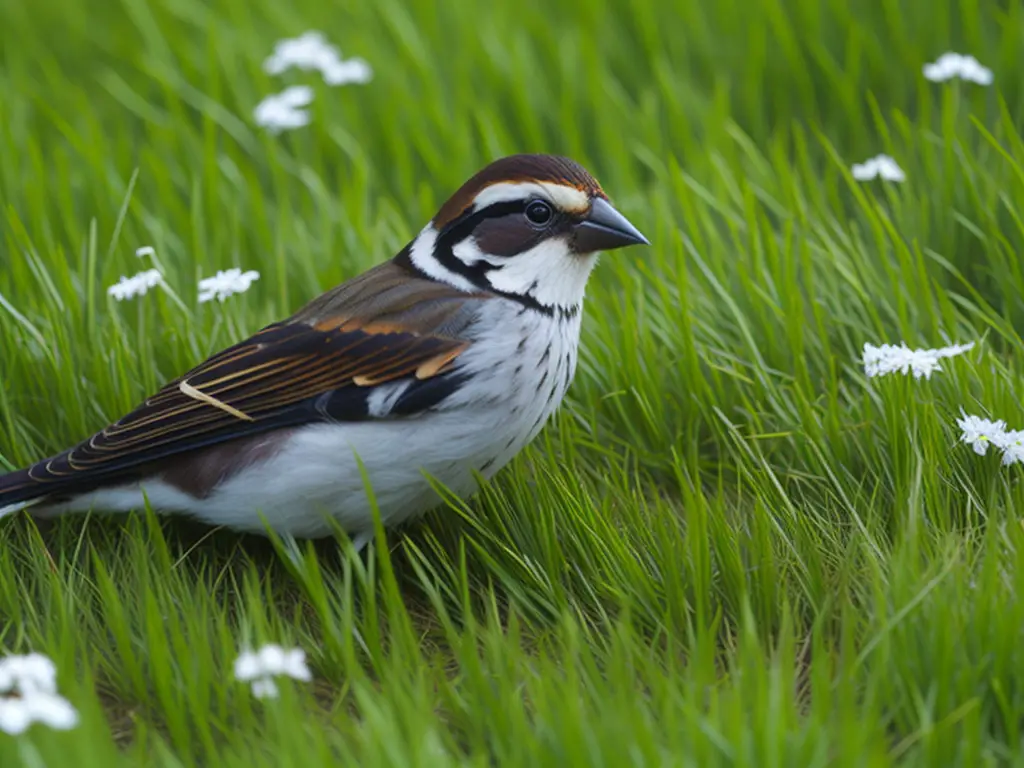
pixel 729 548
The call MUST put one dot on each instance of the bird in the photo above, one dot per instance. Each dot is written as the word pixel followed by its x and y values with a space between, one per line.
pixel 440 364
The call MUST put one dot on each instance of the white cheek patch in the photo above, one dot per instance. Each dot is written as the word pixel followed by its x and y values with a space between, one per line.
pixel 549 272
pixel 470 254
pixel 422 256
pixel 565 198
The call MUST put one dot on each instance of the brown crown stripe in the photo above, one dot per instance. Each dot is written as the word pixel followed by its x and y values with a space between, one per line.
pixel 519 168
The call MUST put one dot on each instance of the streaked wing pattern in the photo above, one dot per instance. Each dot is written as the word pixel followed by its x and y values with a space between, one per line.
pixel 285 375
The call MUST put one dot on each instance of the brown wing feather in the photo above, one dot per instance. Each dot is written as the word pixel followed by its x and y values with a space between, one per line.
pixel 284 365
pixel 382 326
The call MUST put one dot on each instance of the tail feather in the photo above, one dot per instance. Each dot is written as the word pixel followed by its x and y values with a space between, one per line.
pixel 10 509
pixel 18 491
pixel 38 485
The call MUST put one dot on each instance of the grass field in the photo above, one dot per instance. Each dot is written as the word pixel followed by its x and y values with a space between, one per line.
pixel 729 548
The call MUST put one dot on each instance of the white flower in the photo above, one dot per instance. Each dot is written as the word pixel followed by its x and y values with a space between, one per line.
pixel 28 694
pixel 136 285
pixel 283 111
pixel 146 250
pixel 32 672
pixel 1012 445
pixel 980 433
pixel 880 165
pixel 226 283
pixel 889 358
pixel 308 51
pixel 950 65
pixel 18 713
pixel 312 51
pixel 260 667
pixel 348 71
pixel 271 660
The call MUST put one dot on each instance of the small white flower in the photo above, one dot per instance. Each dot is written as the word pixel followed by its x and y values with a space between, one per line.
pixel 308 51
pixel 18 713
pixel 260 667
pixel 980 433
pixel 311 51
pixel 879 166
pixel 283 111
pixel 226 283
pixel 28 694
pixel 248 666
pixel 1003 439
pixel 950 65
pixel 146 250
pixel 136 285
pixel 296 96
pixel 32 672
pixel 889 358
pixel 348 71
pixel 272 659
pixel 1012 445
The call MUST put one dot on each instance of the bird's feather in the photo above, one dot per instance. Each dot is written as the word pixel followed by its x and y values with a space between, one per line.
pixel 322 364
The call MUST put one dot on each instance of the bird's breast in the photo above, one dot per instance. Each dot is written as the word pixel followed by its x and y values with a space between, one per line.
pixel 520 366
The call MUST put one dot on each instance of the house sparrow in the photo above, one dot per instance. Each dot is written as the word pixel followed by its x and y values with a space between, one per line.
pixel 444 361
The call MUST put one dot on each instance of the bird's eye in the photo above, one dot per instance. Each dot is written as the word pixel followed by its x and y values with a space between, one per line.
pixel 539 213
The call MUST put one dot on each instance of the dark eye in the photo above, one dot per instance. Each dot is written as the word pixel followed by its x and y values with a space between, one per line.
pixel 539 213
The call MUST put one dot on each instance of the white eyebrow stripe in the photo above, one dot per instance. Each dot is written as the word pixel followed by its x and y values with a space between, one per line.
pixel 565 198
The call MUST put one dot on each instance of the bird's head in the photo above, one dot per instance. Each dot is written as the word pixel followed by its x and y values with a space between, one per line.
pixel 528 227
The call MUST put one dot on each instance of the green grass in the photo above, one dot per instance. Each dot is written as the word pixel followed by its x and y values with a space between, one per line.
pixel 729 548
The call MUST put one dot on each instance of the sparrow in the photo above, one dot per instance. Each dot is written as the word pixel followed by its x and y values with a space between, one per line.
pixel 442 363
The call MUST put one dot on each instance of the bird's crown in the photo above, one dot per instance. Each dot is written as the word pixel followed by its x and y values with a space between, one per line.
pixel 549 170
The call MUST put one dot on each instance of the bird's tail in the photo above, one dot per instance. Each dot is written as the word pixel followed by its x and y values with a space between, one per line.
pixel 17 492
pixel 10 509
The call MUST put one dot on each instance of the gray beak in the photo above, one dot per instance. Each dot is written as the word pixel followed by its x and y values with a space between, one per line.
pixel 605 229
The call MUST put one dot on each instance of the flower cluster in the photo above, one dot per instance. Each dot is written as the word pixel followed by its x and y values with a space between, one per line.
pixel 28 694
pixel 950 65
pixel 981 433
pixel 889 358
pixel 879 166
pixel 226 283
pixel 284 111
pixel 136 285
pixel 259 668
pixel 309 51
pixel 975 431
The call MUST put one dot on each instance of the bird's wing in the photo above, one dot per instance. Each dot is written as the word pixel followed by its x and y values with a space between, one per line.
pixel 323 364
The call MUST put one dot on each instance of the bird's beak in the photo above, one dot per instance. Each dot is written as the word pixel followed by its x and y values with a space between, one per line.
pixel 605 229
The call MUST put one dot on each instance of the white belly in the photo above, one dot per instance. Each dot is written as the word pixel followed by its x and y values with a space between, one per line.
pixel 479 429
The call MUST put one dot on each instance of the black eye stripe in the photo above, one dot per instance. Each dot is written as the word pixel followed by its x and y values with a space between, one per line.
pixel 469 225
pixel 507 235
pixel 463 226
